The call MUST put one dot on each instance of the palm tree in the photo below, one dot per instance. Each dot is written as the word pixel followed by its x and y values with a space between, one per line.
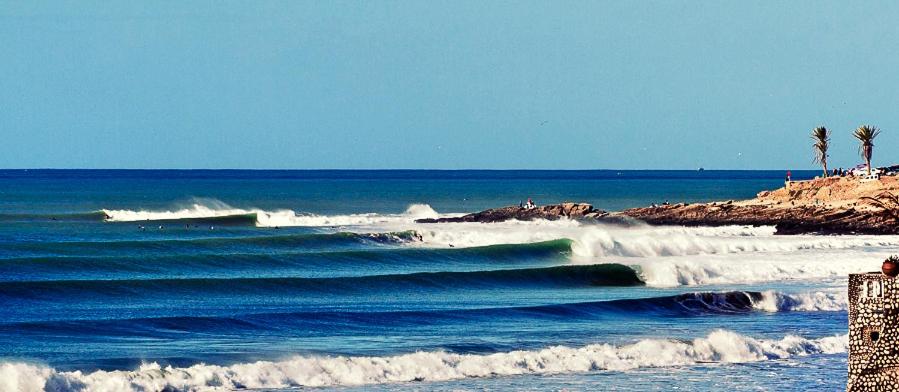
pixel 865 135
pixel 821 136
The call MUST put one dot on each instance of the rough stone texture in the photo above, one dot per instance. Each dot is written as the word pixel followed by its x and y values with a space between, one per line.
pixel 836 205
pixel 833 191
pixel 796 220
pixel 873 333
pixel 550 212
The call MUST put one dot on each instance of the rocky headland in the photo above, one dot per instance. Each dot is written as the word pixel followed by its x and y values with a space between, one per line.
pixel 841 205
pixel 838 205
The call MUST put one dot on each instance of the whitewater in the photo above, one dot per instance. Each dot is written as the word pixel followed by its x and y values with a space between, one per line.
pixel 157 281
pixel 720 346
pixel 665 256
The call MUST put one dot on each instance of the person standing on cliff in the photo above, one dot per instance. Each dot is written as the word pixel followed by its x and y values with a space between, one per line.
pixel 789 176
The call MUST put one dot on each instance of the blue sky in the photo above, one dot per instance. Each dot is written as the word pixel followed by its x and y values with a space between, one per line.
pixel 445 85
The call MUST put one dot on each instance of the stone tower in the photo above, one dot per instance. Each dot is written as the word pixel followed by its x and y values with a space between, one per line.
pixel 873 333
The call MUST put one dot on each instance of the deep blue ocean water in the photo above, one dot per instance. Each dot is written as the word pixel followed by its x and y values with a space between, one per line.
pixel 196 280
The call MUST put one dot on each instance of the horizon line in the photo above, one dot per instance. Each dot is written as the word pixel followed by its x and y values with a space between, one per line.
pixel 389 169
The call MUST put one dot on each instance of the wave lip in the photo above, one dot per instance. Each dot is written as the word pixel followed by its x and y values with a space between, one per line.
pixel 558 276
pixel 720 346
pixel 766 301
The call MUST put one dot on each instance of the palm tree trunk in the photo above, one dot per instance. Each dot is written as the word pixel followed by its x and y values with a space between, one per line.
pixel 825 168
pixel 868 162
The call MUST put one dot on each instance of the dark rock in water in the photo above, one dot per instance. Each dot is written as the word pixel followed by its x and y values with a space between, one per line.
pixel 549 212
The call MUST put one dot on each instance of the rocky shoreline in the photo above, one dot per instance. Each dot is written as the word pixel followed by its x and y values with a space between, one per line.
pixel 549 212
pixel 795 220
pixel 823 206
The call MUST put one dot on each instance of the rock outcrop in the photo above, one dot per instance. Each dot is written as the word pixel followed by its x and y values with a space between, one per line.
pixel 549 212
pixel 795 220
pixel 822 206
pixel 838 205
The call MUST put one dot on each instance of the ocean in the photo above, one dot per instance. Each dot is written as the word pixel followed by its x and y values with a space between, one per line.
pixel 184 280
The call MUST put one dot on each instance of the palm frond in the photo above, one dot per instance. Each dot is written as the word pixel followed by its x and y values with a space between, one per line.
pixel 866 134
pixel 821 136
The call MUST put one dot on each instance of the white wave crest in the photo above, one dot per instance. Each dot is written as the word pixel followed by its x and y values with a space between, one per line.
pixel 589 240
pixel 600 241
pixel 719 346
pixel 648 241
pixel 211 208
pixel 462 235
pixel 199 208
pixel 420 211
pixel 685 256
pixel 753 268
pixel 819 301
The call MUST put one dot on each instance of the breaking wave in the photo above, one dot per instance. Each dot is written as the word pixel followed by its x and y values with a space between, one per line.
pixel 589 240
pixel 559 276
pixel 685 256
pixel 720 346
pixel 752 268
pixel 683 241
pixel 599 241
pixel 818 301
pixel 702 303
pixel 205 209
pixel 767 301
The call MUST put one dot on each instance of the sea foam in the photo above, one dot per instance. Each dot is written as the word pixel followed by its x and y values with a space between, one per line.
pixel 598 241
pixel 752 268
pixel 817 301
pixel 720 346
pixel 666 256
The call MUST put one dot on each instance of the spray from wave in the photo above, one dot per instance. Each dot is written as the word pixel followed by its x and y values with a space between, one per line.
pixel 818 301
pixel 752 268
pixel 719 346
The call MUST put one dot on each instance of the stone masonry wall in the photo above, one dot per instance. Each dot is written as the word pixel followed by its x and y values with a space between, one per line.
pixel 873 333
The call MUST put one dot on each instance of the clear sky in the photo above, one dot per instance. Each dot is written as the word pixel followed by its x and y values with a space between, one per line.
pixel 445 85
